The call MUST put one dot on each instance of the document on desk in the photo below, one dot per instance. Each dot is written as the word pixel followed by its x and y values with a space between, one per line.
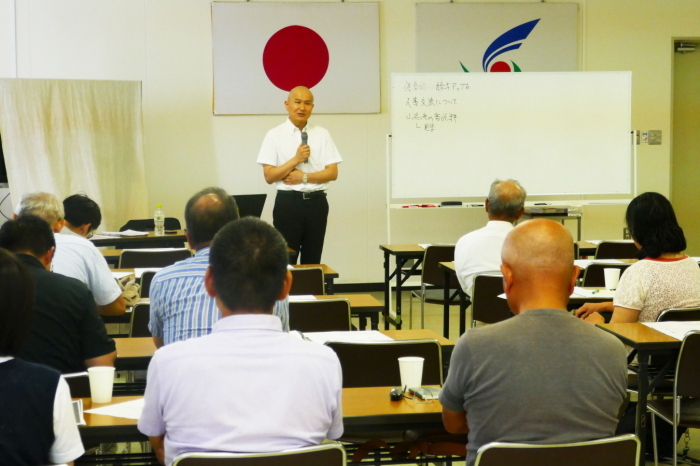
pixel 301 297
pixel 127 410
pixel 347 337
pixel 676 330
pixel 598 241
pixel 584 263
pixel 139 271
pixel 600 293
pixel 120 275
pixel 124 233
pixel 424 245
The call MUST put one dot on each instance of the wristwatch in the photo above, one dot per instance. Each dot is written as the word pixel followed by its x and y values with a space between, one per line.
pixel 305 178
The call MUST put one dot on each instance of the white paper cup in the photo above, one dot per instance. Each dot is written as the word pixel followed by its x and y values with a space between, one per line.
pixel 612 277
pixel 101 382
pixel 411 368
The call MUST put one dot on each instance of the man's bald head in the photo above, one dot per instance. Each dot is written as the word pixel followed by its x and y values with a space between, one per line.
pixel 299 105
pixel 300 91
pixel 506 200
pixel 206 213
pixel 538 264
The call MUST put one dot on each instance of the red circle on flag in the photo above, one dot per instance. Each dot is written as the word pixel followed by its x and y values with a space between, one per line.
pixel 500 67
pixel 295 56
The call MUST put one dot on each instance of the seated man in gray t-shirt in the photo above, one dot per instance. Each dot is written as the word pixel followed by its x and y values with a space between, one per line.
pixel 542 377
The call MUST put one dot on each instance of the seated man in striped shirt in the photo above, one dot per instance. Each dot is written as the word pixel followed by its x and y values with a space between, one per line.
pixel 180 306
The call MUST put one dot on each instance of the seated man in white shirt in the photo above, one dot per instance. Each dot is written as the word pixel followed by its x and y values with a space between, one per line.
pixel 479 251
pixel 76 256
pixel 247 386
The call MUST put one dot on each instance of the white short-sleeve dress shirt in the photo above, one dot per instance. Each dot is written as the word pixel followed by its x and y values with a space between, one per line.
pixel 281 144
pixel 78 258
pixel 479 251
pixel 246 387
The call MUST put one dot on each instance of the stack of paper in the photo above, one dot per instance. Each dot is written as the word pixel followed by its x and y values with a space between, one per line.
pixel 676 330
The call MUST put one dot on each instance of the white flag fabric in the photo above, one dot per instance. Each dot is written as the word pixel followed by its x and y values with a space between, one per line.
pixel 496 37
pixel 263 50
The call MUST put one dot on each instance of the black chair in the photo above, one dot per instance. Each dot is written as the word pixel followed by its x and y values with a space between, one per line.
pixel 147 224
pixel 375 364
pixel 250 205
pixel 308 280
pixel 683 409
pixel 78 384
pixel 140 317
pixel 487 307
pixel 614 451
pixel 320 315
pixel 133 258
pixel 616 250
pixel 432 276
pixel 329 454
pixel 594 274
pixel 680 314
pixel 146 279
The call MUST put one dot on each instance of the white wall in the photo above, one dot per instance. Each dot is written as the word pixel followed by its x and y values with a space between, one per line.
pixel 167 45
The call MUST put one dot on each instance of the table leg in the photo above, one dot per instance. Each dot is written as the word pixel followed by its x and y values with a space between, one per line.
pixel 446 305
pixel 399 265
pixel 578 220
pixel 462 311
pixel 387 289
pixel 363 321
pixel 374 321
pixel 640 426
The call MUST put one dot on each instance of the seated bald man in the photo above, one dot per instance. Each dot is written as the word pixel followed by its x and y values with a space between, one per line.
pixel 544 376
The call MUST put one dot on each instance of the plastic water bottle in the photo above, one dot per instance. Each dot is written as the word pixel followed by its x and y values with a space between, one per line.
pixel 159 220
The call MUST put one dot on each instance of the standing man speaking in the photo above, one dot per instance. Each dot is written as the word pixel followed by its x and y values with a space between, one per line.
pixel 300 159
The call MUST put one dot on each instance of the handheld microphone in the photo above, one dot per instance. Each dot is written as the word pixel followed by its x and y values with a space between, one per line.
pixel 304 141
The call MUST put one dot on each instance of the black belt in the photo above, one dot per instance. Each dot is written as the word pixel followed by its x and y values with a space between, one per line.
pixel 303 195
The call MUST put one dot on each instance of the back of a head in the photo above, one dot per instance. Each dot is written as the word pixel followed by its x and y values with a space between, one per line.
pixel 43 205
pixel 81 210
pixel 207 212
pixel 16 305
pixel 540 251
pixel 27 234
pixel 506 199
pixel 652 223
pixel 248 261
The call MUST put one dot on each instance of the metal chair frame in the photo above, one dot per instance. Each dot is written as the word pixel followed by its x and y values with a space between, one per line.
pixel 621 450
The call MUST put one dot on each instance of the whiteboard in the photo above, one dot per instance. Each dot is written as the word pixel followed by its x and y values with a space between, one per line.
pixel 453 134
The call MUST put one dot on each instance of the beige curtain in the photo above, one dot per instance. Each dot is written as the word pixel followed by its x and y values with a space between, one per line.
pixel 69 136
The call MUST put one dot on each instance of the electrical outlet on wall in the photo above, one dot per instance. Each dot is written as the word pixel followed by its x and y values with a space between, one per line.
pixel 626 233
pixel 654 137
pixel 645 137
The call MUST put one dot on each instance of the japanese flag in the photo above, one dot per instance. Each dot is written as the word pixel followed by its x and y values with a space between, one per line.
pixel 262 51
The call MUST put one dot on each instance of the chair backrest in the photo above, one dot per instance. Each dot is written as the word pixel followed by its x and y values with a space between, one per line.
pixel 146 279
pixel 687 383
pixel 375 364
pixel 616 250
pixel 79 385
pixel 308 280
pixel 147 224
pixel 680 314
pixel 250 205
pixel 431 274
pixel 487 307
pixel 321 315
pixel 140 316
pixel 595 275
pixel 328 454
pixel 622 450
pixel 133 258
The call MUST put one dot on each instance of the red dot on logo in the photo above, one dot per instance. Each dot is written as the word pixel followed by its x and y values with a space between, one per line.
pixel 295 56
pixel 500 67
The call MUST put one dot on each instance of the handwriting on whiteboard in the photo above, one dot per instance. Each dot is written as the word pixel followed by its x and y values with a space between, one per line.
pixel 417 86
